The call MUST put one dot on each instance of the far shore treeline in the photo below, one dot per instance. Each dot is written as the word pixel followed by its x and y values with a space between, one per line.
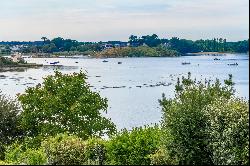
pixel 148 45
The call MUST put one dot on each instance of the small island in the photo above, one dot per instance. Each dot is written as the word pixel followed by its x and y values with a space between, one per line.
pixel 15 61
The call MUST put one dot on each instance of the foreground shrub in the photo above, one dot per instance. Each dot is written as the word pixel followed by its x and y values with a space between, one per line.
pixel 65 150
pixel 4 163
pixel 161 157
pixel 72 150
pixel 64 103
pixel 20 154
pixel 134 147
pixel 229 131
pixel 197 128
pixel 9 123
pixel 96 151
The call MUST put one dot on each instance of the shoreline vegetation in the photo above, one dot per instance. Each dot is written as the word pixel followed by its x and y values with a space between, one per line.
pixel 18 67
pixel 110 54
pixel 142 46
pixel 8 64
pixel 141 51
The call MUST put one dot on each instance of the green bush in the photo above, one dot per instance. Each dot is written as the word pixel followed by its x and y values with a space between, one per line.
pixel 72 150
pixel 9 123
pixel 64 103
pixel 191 130
pixel 96 151
pixel 6 61
pixel 161 157
pixel 229 131
pixel 20 154
pixel 4 163
pixel 134 147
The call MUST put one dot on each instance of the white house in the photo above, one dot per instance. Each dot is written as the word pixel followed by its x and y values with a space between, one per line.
pixel 17 57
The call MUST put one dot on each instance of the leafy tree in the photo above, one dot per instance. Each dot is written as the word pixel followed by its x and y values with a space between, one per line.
pixel 151 41
pixel 64 103
pixel 49 48
pixel 201 124
pixel 9 123
pixel 183 46
pixel 59 42
pixel 44 39
pixel 69 44
pixel 133 39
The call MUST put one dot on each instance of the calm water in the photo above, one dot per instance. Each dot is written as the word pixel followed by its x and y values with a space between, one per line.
pixel 136 103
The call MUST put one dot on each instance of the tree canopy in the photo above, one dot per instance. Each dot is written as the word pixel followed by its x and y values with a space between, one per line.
pixel 64 103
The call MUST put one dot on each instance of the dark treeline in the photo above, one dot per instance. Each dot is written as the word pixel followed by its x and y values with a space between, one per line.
pixel 182 46
pixel 188 46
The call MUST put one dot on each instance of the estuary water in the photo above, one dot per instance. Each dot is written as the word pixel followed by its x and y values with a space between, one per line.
pixel 134 87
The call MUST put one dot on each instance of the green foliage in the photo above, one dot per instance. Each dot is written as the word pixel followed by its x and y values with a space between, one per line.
pixel 149 40
pixel 182 46
pixel 141 51
pixel 4 163
pixel 229 131
pixel 72 150
pixel 188 46
pixel 9 122
pixel 65 150
pixel 134 147
pixel 20 154
pixel 96 151
pixel 6 61
pixel 192 131
pixel 161 157
pixel 49 48
pixel 5 50
pixel 58 45
pixel 64 103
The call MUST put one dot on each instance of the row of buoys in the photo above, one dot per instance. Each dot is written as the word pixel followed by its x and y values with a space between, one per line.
pixel 138 86
pixel 216 59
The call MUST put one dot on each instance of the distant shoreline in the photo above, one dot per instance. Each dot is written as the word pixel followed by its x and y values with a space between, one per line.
pixel 210 53
pixel 215 53
pixel 23 65
pixel 91 57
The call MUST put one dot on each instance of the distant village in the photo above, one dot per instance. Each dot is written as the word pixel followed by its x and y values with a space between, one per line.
pixel 13 47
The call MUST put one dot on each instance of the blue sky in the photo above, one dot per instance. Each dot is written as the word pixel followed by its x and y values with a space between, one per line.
pixel 101 20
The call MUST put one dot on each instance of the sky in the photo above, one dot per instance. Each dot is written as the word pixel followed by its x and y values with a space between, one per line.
pixel 103 20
